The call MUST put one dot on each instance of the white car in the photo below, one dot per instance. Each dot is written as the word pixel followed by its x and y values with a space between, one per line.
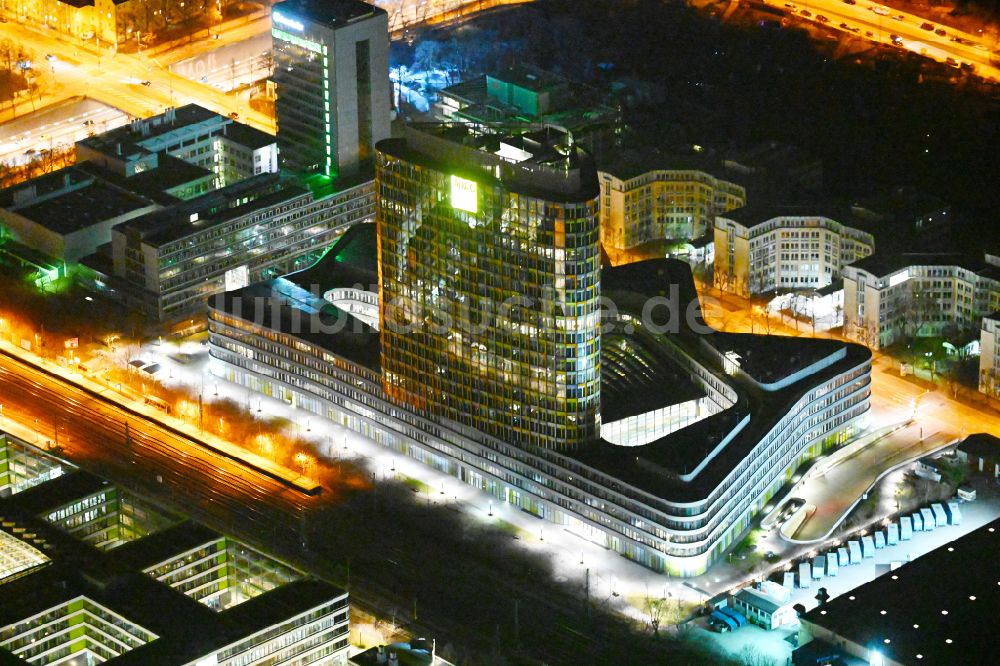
pixel 880 10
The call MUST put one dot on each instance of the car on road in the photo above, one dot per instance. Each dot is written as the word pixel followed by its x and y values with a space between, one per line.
pixel 234 115
pixel 806 13
pixel 2 19
pixel 850 2
pixel 869 33
pixel 88 123
pixel 822 19
pixel 927 26
pixel 147 83
pixel 940 32
pixel 968 67
pixel 880 10
pixel 951 61
pixel 50 57
pixel 896 39
pixel 789 5
pixel 898 17
pixel 958 40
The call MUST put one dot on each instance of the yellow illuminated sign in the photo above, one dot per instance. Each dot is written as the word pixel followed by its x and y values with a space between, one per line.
pixel 464 195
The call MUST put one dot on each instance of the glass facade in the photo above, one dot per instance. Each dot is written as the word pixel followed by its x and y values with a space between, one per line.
pixel 109 518
pixel 223 573
pixel 489 301
pixel 76 627
pixel 23 466
pixel 302 77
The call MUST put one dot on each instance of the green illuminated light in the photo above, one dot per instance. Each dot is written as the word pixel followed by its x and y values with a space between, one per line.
pixel 464 195
pixel 315 47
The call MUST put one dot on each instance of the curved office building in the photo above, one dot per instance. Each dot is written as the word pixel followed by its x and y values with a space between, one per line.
pixel 663 442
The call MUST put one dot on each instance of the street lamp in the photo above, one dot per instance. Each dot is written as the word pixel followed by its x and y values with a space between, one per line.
pixel 303 461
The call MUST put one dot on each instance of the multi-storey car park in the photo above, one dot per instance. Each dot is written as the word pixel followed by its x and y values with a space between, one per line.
pixel 697 429
pixel 149 590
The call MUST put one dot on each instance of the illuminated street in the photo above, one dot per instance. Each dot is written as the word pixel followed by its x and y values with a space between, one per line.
pixel 883 24
pixel 405 303
pixel 58 126
pixel 132 83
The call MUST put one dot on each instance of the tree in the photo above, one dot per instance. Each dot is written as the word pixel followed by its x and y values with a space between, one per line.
pixel 428 56
pixel 751 656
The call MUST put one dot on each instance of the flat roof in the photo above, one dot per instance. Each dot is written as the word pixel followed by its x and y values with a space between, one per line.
pixel 331 13
pixel 756 214
pixel 981 445
pixel 941 605
pixel 91 196
pixel 114 579
pixel 130 135
pixel 772 155
pixel 249 137
pixel 166 225
pixel 767 361
pixel 882 264
pixel 657 467
pixel 294 303
pixel 634 162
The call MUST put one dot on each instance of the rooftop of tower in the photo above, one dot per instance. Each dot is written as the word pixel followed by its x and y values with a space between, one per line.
pixel 331 13
pixel 543 162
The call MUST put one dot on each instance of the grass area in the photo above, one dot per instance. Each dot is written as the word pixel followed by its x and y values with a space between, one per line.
pixel 746 556
pixel 415 484
pixel 510 528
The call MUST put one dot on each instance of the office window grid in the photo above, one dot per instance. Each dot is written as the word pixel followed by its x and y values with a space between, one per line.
pixel 489 318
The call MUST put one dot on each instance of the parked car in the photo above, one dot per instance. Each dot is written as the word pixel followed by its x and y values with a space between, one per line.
pixel 941 32
pixel 927 26
pixel 822 19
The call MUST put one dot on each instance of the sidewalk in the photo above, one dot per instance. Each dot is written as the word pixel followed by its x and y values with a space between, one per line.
pixel 614 580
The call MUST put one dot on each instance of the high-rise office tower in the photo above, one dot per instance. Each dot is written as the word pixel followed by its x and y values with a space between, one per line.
pixel 490 282
pixel 331 68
